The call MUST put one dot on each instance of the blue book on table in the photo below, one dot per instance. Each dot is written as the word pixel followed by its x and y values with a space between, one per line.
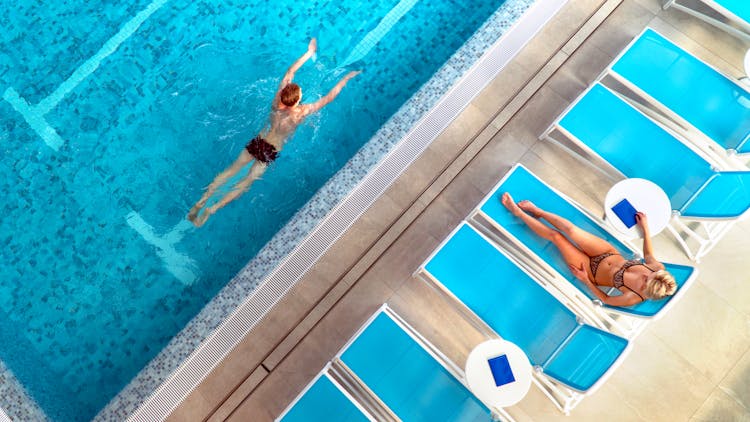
pixel 625 211
pixel 501 371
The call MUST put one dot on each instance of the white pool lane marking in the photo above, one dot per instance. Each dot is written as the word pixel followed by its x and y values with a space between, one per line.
pixel 179 265
pixel 373 37
pixel 34 118
pixel 34 115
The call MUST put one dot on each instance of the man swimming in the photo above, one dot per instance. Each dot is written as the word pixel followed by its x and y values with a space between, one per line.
pixel 286 114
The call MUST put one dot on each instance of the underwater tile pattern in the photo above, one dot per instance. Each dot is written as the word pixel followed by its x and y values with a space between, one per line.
pixel 166 105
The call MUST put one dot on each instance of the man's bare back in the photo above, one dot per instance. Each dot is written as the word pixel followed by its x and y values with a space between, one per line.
pixel 283 123
pixel 286 115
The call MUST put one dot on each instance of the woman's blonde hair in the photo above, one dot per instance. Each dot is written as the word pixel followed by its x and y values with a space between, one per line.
pixel 661 285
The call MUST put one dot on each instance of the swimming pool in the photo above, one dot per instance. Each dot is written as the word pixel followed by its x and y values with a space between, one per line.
pixel 115 117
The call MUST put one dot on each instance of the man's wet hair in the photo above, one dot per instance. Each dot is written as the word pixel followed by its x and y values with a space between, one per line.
pixel 290 94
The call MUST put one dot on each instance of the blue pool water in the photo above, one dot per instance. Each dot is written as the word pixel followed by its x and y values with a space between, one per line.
pixel 99 268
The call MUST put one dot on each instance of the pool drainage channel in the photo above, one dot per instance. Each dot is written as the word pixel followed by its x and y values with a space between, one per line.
pixel 281 279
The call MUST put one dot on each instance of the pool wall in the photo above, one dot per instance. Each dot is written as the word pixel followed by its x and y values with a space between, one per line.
pixel 15 403
pixel 222 323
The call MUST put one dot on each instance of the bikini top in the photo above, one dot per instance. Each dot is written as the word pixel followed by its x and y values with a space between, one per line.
pixel 618 279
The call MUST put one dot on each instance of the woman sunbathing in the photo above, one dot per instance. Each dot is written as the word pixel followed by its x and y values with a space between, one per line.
pixel 595 261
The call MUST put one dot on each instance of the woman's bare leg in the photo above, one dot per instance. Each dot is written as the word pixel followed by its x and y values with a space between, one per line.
pixel 256 171
pixel 590 244
pixel 218 181
pixel 571 254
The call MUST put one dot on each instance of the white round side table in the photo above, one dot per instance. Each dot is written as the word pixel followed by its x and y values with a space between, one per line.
pixel 646 197
pixel 481 381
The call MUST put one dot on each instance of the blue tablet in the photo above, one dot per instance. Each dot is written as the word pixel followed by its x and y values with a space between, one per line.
pixel 625 211
pixel 501 370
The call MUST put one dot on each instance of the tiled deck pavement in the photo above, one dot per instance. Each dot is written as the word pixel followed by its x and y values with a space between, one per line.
pixel 693 364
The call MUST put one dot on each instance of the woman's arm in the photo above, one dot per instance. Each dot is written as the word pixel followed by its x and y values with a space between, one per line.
pixel 648 249
pixel 625 299
pixel 317 105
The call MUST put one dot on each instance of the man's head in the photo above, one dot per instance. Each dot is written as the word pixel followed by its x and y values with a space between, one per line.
pixel 290 95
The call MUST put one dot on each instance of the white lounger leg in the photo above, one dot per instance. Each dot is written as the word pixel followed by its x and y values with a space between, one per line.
pixel 564 398
pixel 714 230
pixel 711 20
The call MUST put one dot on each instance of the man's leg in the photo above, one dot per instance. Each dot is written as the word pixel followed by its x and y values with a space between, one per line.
pixel 590 244
pixel 219 180
pixel 256 171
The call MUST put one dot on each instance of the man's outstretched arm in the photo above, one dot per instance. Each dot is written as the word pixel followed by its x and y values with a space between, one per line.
pixel 317 105
pixel 289 75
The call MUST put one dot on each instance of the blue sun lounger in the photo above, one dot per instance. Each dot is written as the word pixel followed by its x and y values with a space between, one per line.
pixel 408 374
pixel 732 16
pixel 324 400
pixel 603 125
pixel 572 358
pixel 523 184
pixel 702 104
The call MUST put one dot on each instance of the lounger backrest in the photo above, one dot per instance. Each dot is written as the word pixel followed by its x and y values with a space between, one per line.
pixel 726 195
pixel 635 145
pixel 502 295
pixel 705 98
pixel 324 401
pixel 407 378
pixel 522 184
pixel 510 302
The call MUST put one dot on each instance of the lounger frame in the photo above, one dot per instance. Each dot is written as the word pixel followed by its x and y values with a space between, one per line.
pixel 706 232
pixel 564 397
pixel 724 159
pixel 371 406
pixel 325 372
pixel 455 370
pixel 584 313
pixel 627 324
pixel 742 30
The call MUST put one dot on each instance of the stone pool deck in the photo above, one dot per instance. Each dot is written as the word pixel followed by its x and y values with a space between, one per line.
pixel 693 364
